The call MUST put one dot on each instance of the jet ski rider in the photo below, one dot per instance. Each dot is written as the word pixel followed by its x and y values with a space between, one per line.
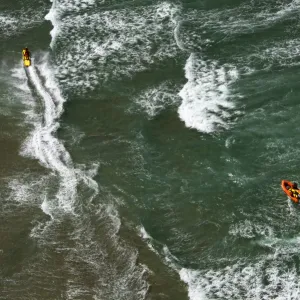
pixel 26 53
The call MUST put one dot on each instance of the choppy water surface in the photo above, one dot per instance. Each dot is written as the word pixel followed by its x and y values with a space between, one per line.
pixel 142 152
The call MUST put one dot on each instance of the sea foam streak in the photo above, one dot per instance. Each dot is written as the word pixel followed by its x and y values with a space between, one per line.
pixel 43 145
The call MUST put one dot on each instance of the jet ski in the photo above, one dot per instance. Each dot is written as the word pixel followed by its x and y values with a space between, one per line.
pixel 26 57
pixel 293 194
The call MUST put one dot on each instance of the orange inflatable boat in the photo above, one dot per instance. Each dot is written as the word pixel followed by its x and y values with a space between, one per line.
pixel 286 185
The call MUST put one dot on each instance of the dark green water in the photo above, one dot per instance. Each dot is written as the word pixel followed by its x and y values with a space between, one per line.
pixel 142 152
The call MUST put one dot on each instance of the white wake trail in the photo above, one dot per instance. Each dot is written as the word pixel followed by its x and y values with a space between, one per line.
pixel 43 145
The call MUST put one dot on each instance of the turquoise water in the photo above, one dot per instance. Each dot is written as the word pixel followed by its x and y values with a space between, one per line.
pixel 142 153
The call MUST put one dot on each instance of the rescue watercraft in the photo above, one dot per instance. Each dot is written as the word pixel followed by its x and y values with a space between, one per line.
pixel 26 58
pixel 293 194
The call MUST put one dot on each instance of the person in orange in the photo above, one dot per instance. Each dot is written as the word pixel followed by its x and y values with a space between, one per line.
pixel 294 190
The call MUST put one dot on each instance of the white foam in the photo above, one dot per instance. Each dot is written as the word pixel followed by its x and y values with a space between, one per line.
pixel 52 16
pixel 205 97
pixel 214 26
pixel 195 291
pixel 287 9
pixel 229 142
pixel 281 245
pixel 114 36
pixel 244 280
pixel 179 43
pixel 24 192
pixel 46 208
pixel 155 99
pixel 20 20
pixel 143 233
pixel 52 86
pixel 86 175
pixel 28 190
pixel 7 20
pixel 8 23
pixel 148 239
pixel 284 53
pixel 265 277
pixel 249 229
